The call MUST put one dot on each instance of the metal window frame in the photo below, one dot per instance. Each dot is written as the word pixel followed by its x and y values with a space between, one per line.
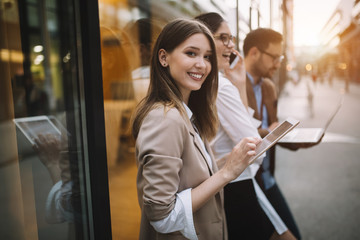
pixel 92 107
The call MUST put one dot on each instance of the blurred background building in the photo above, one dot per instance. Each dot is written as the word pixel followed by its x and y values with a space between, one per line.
pixel 337 54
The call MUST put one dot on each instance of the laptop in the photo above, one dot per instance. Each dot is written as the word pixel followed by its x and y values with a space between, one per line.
pixel 310 135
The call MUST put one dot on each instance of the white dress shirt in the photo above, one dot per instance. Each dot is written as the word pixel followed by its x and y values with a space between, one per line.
pixel 235 124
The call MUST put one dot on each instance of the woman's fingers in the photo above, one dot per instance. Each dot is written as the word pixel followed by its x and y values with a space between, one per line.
pixel 241 155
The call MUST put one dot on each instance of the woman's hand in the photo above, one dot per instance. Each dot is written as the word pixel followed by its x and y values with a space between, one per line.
pixel 237 75
pixel 239 158
pixel 48 149
pixel 236 162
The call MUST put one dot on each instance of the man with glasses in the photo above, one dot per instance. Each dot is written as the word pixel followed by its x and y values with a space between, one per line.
pixel 263 55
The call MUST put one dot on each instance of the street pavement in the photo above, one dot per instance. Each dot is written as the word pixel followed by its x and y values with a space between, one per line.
pixel 322 183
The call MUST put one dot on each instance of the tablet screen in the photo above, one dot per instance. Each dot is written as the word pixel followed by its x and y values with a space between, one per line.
pixel 274 136
pixel 32 127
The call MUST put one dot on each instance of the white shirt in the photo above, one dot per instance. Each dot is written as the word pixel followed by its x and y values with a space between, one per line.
pixel 232 129
pixel 236 123
pixel 58 207
pixel 181 217
pixel 141 81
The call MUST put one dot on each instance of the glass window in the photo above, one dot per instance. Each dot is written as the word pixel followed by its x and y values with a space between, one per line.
pixel 42 134
pixel 51 4
pixel 244 7
pixel 127 36
pixel 33 20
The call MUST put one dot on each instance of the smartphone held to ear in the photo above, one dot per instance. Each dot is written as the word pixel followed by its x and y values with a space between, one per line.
pixel 233 60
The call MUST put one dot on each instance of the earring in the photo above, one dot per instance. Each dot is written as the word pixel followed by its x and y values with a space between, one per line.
pixel 165 64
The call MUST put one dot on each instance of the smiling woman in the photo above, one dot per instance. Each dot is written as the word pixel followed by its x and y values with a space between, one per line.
pixel 189 64
pixel 179 185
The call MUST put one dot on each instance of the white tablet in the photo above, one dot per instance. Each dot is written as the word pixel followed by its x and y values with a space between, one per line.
pixel 274 136
pixel 32 127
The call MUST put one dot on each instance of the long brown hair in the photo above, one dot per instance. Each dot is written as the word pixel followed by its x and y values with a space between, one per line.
pixel 163 89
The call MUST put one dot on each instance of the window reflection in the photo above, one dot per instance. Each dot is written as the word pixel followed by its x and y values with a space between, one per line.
pixel 126 43
pixel 40 127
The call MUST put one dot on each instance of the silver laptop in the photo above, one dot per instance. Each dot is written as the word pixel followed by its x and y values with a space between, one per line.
pixel 310 135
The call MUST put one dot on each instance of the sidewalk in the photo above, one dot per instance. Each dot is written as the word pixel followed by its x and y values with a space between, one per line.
pixel 322 183
pixel 313 103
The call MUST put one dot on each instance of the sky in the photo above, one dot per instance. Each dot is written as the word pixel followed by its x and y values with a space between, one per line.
pixel 310 17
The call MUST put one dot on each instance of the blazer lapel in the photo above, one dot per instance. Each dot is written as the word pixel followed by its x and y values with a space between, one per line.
pixel 208 148
pixel 198 146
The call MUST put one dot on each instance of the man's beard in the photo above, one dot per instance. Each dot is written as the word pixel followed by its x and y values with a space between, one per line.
pixel 264 73
pixel 260 71
pixel 270 73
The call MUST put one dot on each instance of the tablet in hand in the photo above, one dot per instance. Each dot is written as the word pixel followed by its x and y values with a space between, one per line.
pixel 274 136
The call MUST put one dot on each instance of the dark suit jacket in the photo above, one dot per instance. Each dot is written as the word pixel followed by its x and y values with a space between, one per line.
pixel 269 99
pixel 170 159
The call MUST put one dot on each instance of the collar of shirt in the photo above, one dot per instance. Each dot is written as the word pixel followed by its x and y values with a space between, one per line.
pixel 257 90
pixel 190 114
pixel 207 156
pixel 252 80
pixel 188 111
pixel 258 96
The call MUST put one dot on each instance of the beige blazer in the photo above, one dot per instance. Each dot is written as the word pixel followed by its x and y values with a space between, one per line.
pixel 170 159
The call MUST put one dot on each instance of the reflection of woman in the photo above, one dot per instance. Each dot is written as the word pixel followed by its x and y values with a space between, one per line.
pixel 115 63
pixel 36 99
pixel 63 201
pixel 249 214
pixel 179 184
pixel 143 33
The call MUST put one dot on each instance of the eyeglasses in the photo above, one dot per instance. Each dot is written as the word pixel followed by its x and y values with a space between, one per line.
pixel 225 38
pixel 276 59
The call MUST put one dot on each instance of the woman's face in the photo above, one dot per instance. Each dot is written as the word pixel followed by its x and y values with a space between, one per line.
pixel 223 52
pixel 189 63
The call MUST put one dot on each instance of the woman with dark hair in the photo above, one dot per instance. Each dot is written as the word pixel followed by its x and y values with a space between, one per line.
pixel 178 182
pixel 249 214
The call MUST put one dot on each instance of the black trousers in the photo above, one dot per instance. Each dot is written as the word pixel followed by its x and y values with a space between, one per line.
pixel 245 218
pixel 279 203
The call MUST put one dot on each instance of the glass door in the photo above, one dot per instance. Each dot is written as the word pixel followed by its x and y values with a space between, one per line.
pixel 53 155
